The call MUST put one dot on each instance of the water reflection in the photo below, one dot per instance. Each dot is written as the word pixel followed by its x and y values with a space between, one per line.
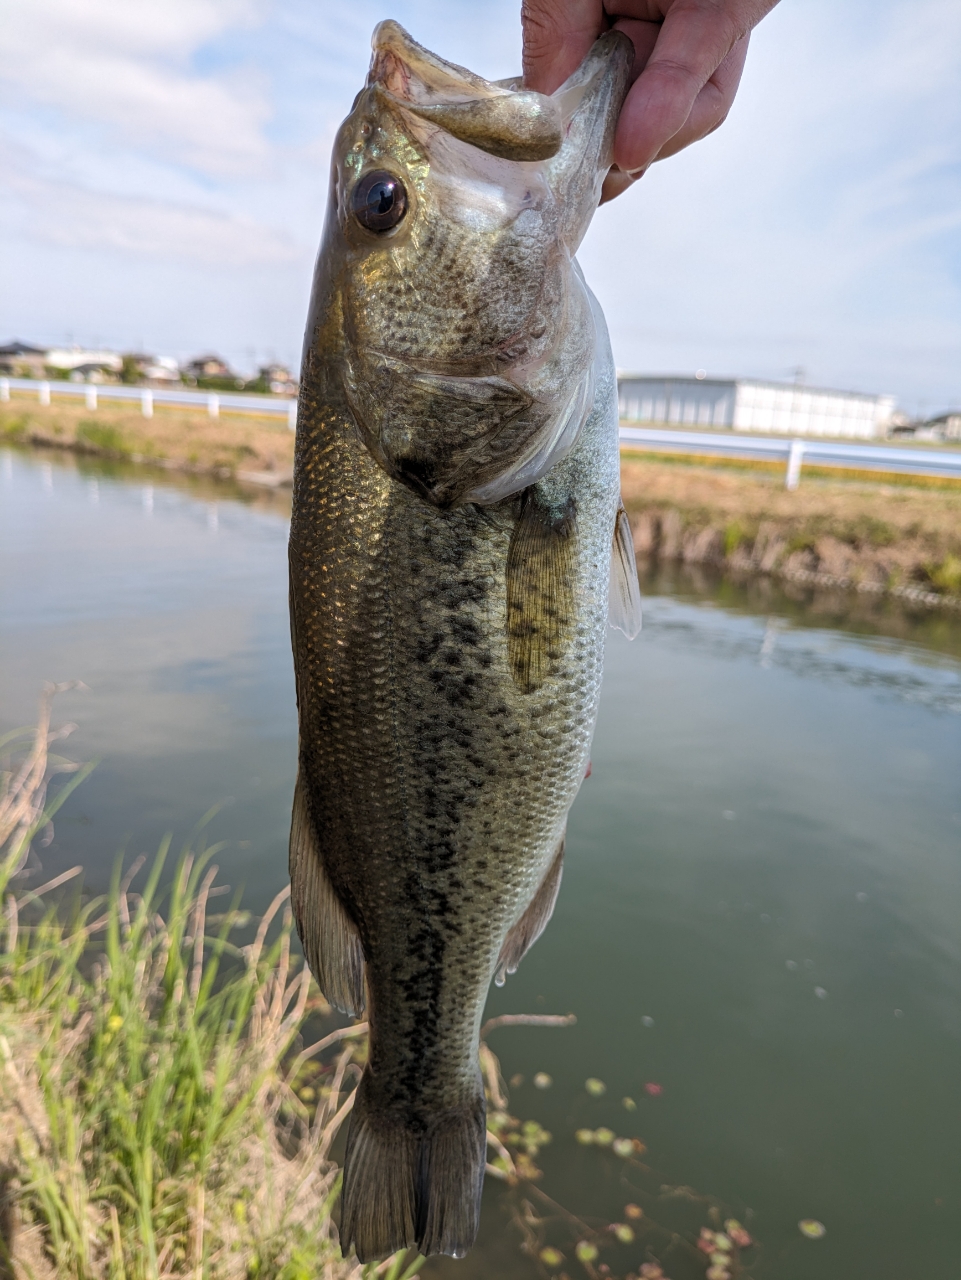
pixel 760 905
pixel 900 670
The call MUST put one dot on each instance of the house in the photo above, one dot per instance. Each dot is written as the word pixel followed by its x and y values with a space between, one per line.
pixel 207 367
pixel 20 360
pixel 83 365
pixel 153 370
pixel 161 370
pixel 278 379
pixel 750 404
pixel 947 426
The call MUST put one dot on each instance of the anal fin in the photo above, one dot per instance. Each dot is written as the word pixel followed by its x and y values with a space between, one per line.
pixel 330 938
pixel 533 922
pixel 624 611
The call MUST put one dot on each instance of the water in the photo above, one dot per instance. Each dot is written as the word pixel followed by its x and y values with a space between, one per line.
pixel 761 904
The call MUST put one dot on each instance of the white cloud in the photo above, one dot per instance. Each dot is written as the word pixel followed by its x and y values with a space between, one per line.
pixel 129 67
pixel 70 216
pixel 818 227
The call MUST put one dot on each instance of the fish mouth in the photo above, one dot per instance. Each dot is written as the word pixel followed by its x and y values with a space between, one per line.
pixel 513 124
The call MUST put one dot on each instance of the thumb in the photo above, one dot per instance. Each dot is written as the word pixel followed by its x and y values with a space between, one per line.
pixel 558 35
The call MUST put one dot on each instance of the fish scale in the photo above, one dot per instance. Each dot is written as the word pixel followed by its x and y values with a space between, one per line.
pixel 448 653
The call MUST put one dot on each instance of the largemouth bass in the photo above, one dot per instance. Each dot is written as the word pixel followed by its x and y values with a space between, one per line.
pixel 455 518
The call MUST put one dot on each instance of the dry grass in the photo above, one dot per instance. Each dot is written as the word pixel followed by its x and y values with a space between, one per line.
pixel 178 438
pixel 876 536
pixel 721 495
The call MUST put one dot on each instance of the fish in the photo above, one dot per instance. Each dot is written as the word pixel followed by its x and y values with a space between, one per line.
pixel 457 545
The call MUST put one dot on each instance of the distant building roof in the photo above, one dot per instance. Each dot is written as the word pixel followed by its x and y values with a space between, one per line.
pixel 705 381
pixel 16 348
pixel 751 404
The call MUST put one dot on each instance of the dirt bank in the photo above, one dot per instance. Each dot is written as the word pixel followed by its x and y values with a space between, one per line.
pixel 903 538
pixel 877 537
pixel 234 445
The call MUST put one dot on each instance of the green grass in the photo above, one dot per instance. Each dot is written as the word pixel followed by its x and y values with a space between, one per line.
pixel 103 437
pixel 734 535
pixel 945 575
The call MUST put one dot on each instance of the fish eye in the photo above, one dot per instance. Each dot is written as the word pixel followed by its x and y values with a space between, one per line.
pixel 379 201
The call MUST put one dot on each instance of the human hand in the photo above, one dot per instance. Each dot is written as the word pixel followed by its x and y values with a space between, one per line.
pixel 688 58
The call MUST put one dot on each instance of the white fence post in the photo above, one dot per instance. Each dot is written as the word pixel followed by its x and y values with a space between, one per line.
pixel 44 393
pixel 146 403
pixel 90 396
pixel 213 406
pixel 292 415
pixel 4 388
pixel 794 459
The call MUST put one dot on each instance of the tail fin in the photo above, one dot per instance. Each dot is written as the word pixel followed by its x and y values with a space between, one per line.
pixel 406 1187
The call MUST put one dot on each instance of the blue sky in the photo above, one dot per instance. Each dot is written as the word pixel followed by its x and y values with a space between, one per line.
pixel 166 164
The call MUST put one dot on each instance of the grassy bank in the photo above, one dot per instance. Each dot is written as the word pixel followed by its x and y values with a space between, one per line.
pixel 874 535
pixel 181 439
pixel 870 535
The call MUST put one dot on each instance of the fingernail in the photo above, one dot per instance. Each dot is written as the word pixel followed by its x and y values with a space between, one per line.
pixel 634 174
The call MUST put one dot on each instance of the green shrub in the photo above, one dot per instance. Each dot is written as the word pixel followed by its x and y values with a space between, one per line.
pixel 15 427
pixel 945 575
pixel 103 438
pixel 801 541
pixel 868 531
pixel 734 535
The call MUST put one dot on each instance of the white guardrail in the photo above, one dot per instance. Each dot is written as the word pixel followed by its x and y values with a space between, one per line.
pixel 147 397
pixel 795 452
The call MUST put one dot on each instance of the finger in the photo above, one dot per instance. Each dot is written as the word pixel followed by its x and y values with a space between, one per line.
pixel 695 38
pixel 557 38
pixel 712 104
pixel 617 182
pixel 643 36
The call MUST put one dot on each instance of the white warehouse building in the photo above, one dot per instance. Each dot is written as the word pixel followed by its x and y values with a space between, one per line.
pixel 748 404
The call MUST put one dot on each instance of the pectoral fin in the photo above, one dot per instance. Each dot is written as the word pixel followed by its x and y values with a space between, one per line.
pixel 330 939
pixel 540 589
pixel 624 612
pixel 534 920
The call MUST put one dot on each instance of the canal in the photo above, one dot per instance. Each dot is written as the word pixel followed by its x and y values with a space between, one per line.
pixel 760 922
